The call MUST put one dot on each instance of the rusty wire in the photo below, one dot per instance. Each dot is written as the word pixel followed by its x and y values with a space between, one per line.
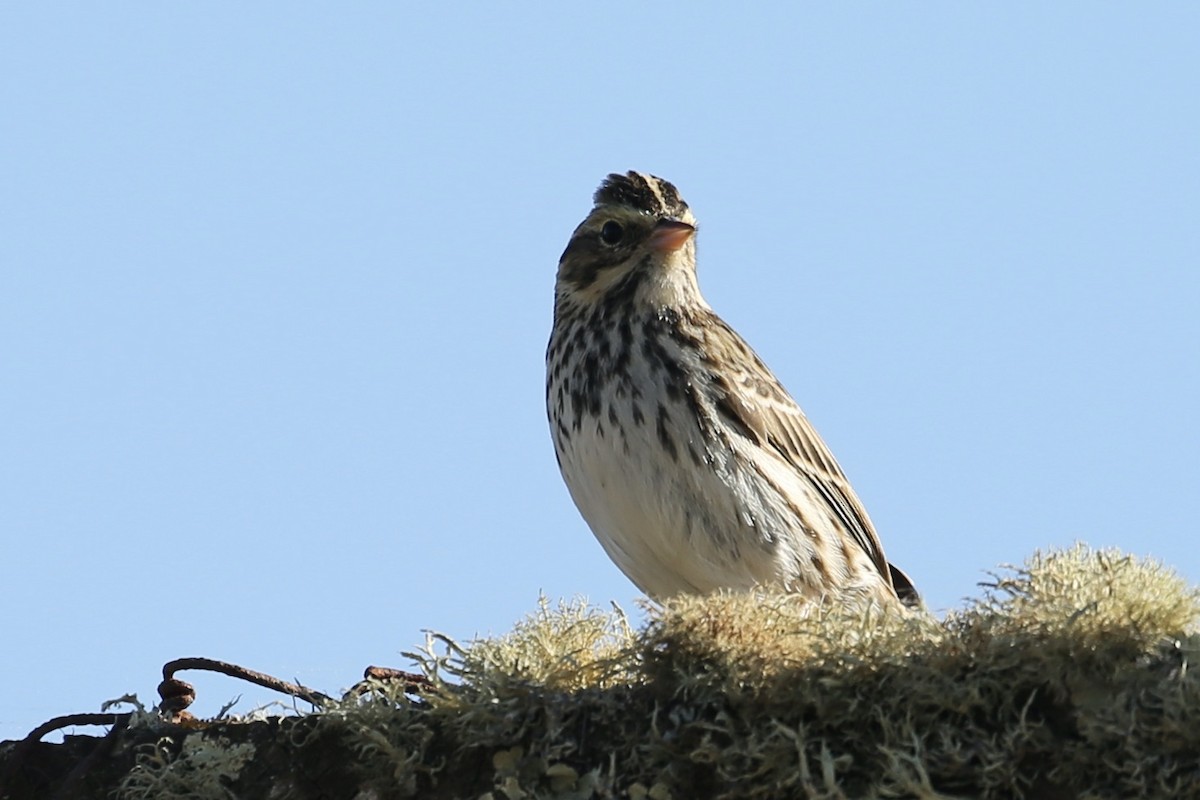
pixel 177 695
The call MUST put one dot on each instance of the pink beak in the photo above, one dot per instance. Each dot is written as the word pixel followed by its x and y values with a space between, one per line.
pixel 669 235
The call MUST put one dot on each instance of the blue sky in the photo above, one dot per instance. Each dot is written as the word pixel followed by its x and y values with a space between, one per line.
pixel 277 283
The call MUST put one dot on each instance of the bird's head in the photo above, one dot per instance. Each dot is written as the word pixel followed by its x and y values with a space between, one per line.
pixel 638 241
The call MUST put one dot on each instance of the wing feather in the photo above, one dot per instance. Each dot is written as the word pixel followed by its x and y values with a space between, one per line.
pixel 761 409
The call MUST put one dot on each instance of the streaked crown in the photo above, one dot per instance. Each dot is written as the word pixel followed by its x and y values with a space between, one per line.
pixel 645 193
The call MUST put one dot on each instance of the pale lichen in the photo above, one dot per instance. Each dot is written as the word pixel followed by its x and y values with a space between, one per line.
pixel 1072 676
pixel 202 770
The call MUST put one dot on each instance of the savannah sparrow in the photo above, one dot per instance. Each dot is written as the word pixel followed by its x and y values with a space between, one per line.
pixel 693 466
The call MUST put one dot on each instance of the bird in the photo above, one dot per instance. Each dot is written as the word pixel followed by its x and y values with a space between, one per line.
pixel 690 462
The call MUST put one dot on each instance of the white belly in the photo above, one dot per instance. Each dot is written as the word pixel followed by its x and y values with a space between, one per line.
pixel 689 522
pixel 681 502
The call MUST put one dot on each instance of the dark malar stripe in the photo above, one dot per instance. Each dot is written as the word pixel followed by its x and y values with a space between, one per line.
pixel 618 301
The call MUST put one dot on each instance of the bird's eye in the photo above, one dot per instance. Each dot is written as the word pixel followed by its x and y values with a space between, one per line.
pixel 611 233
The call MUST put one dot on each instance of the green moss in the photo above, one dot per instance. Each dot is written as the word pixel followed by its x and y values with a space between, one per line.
pixel 1071 677
pixel 1070 674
